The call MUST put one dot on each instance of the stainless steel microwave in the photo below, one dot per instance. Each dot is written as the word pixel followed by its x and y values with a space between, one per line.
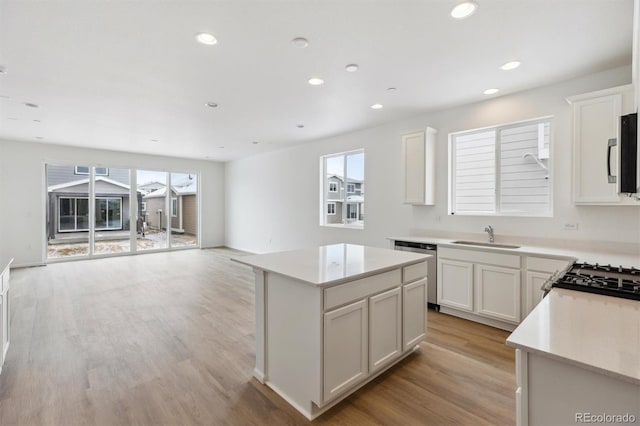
pixel 628 170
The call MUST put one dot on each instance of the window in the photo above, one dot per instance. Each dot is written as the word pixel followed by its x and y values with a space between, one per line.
pixel 174 207
pixel 74 213
pixel 143 206
pixel 503 170
pixel 343 208
pixel 84 170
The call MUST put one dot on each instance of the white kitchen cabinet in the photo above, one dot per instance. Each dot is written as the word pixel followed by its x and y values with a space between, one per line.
pixel 419 150
pixel 596 140
pixel 478 285
pixel 455 284
pixel 497 292
pixel 538 271
pixel 345 348
pixel 413 313
pixel 385 328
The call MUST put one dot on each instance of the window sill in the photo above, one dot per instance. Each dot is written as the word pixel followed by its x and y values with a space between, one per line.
pixel 360 227
pixel 484 214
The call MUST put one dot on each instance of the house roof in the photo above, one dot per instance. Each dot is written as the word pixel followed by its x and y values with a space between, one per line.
pixel 86 181
pixel 186 187
pixel 349 180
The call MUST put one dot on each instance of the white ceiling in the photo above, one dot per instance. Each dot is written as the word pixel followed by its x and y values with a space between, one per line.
pixel 116 74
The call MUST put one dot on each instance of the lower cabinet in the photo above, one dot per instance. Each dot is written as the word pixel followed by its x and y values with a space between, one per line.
pixel 498 292
pixel 413 319
pixel 455 284
pixel 533 289
pixel 345 347
pixel 385 328
pixel 364 337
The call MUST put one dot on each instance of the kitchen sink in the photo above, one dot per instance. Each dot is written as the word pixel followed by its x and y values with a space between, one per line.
pixel 483 244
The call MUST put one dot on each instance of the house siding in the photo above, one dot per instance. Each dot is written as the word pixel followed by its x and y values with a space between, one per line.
pixel 190 214
pixel 152 217
pixel 64 174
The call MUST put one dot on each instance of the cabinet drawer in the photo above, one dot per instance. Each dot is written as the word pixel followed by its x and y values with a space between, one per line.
pixel 345 293
pixel 414 272
pixel 543 264
pixel 480 256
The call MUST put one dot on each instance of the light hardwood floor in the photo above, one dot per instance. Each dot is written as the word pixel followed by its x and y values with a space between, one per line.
pixel 168 339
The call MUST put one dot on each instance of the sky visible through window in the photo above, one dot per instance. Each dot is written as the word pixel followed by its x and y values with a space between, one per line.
pixel 355 166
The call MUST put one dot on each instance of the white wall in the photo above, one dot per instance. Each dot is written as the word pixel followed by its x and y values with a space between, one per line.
pixel 272 200
pixel 22 186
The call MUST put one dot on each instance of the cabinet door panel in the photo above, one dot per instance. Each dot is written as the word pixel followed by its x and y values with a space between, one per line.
pixel 414 168
pixel 534 293
pixel 595 121
pixel 345 348
pixel 498 292
pixel 413 299
pixel 385 328
pixel 455 284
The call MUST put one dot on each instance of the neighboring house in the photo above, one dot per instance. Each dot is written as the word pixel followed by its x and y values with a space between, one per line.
pixel 183 210
pixel 150 187
pixel 68 193
pixel 340 196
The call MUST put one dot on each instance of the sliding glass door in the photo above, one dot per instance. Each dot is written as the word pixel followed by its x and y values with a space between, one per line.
pixel 99 211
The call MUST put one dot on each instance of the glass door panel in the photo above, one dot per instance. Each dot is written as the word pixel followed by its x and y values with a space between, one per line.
pixel 152 212
pixel 112 227
pixel 67 212
pixel 184 209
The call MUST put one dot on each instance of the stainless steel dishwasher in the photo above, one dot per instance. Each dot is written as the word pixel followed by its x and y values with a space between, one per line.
pixel 432 269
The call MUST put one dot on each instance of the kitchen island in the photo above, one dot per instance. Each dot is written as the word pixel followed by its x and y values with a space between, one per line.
pixel 330 319
pixel 578 356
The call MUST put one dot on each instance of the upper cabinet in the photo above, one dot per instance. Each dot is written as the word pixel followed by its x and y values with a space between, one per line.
pixel 596 141
pixel 419 150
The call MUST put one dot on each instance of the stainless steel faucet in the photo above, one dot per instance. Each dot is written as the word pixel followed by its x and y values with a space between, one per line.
pixel 489 230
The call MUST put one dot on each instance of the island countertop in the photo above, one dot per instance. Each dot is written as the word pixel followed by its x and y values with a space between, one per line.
pixel 331 264
pixel 600 333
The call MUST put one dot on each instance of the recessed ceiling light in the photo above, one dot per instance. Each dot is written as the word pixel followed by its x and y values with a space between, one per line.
pixel 212 105
pixel 153 140
pixel 3 69
pixel 351 67
pixel 206 38
pixel 391 89
pixel 491 91
pixel 36 121
pixel 221 147
pixel 300 42
pixel 255 142
pixel 464 10
pixel 316 81
pixel 376 106
pixel 510 65
pixel 39 137
pixel 30 105
pixel 300 126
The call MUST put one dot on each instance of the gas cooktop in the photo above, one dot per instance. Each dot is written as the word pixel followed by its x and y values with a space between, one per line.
pixel 600 279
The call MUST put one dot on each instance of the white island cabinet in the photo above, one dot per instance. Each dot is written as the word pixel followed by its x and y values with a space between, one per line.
pixel 329 319
pixel 578 360
pixel 4 309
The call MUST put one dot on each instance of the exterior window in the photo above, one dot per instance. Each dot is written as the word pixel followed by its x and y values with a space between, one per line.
pixel 342 174
pixel 84 170
pixel 174 207
pixel 503 170
pixel 74 213
pixel 143 206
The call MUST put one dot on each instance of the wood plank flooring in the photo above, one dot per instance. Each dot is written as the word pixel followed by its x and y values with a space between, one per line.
pixel 168 339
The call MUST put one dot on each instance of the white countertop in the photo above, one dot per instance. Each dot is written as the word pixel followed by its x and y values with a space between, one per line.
pixel 332 264
pixel 602 257
pixel 601 333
